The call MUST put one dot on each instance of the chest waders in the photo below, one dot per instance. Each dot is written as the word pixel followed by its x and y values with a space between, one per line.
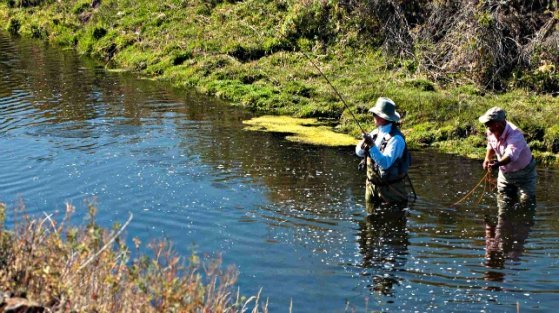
pixel 388 185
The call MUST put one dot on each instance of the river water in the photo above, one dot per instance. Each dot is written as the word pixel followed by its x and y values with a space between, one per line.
pixel 289 216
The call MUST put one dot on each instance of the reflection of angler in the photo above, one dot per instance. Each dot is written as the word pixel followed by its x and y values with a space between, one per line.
pixel 383 243
pixel 505 238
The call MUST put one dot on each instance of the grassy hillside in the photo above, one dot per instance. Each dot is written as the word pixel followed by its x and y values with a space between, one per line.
pixel 443 64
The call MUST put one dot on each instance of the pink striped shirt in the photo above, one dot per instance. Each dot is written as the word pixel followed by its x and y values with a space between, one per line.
pixel 511 143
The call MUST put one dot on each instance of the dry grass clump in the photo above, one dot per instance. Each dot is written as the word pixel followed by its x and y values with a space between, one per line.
pixel 89 269
pixel 498 44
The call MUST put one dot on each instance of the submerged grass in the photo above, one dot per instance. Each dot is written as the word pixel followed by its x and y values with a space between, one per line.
pixel 304 130
pixel 58 267
pixel 251 53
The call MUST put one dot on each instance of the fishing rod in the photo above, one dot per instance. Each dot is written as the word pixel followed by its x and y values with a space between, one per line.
pixel 282 36
pixel 335 90
pixel 351 112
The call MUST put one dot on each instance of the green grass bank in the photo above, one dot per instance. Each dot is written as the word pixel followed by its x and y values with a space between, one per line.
pixel 255 54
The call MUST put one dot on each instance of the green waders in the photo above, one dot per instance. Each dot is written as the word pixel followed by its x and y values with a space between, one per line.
pixel 377 192
pixel 519 185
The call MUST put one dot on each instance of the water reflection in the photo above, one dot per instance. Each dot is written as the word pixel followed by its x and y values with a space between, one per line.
pixel 286 214
pixel 506 234
pixel 383 243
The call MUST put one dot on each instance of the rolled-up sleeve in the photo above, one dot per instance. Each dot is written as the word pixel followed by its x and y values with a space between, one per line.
pixel 358 150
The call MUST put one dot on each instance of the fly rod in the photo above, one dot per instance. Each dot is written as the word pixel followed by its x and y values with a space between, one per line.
pixel 347 107
pixel 335 90
pixel 329 83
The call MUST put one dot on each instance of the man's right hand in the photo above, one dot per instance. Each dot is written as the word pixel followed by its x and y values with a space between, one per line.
pixel 491 165
pixel 494 165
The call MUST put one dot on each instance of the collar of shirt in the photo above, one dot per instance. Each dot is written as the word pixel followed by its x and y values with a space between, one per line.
pixel 501 138
pixel 505 133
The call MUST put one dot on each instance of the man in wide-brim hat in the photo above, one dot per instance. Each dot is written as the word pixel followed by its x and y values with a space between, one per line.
pixel 386 155
pixel 509 153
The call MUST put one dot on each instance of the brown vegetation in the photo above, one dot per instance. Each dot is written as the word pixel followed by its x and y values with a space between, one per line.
pixel 498 44
pixel 50 266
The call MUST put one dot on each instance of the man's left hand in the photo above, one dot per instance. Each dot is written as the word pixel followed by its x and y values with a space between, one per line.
pixel 367 139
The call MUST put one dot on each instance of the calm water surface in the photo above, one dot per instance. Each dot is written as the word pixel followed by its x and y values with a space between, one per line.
pixel 289 216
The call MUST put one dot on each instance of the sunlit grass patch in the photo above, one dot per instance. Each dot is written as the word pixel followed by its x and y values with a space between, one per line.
pixel 304 130
pixel 472 147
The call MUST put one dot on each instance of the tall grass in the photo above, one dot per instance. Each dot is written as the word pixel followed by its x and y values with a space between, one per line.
pixel 66 268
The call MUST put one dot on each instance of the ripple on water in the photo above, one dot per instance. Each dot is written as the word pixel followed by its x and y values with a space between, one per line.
pixel 290 216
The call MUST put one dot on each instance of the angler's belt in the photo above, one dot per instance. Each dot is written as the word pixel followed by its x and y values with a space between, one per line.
pixel 378 182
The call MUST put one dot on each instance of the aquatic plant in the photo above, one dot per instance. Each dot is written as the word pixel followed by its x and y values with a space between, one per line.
pixel 304 130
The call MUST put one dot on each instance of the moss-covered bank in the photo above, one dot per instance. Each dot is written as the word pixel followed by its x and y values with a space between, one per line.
pixel 252 53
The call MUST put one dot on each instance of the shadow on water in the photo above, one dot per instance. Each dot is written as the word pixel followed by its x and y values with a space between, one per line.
pixel 290 216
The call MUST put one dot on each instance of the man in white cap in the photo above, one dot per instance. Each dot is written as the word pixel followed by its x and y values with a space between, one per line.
pixel 386 155
pixel 508 152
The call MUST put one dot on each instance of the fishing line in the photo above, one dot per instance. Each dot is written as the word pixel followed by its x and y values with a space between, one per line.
pixel 473 189
pixel 482 192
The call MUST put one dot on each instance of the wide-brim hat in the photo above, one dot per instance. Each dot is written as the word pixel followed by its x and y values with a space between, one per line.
pixel 385 108
pixel 493 114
